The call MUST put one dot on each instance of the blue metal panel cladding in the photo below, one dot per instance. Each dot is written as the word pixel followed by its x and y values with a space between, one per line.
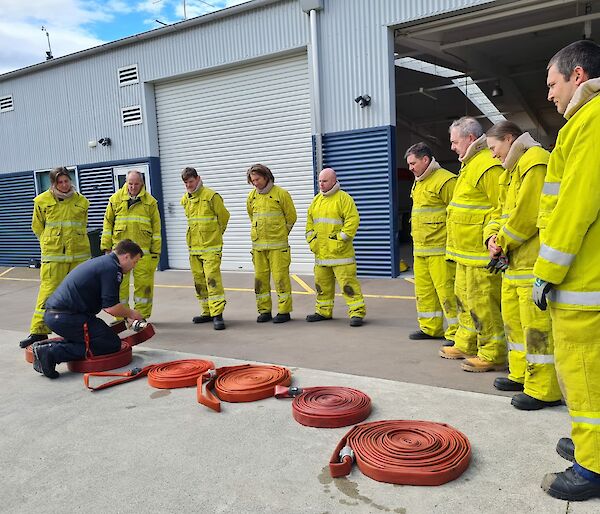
pixel 18 243
pixel 364 163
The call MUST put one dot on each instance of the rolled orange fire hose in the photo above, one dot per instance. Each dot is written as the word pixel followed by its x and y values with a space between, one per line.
pixel 403 452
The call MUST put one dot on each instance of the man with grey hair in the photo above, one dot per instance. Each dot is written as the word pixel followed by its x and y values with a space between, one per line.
pixel 479 339
pixel 132 213
pixel 434 275
pixel 566 269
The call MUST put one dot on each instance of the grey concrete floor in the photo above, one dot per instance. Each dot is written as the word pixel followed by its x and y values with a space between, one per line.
pixel 138 449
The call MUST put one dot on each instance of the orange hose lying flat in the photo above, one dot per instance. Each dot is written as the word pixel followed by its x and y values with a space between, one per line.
pixel 245 383
pixel 327 406
pixel 403 452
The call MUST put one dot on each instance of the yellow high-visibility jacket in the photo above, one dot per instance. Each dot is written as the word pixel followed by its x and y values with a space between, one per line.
pixel 476 195
pixel 272 216
pixel 514 222
pixel 570 203
pixel 139 222
pixel 207 220
pixel 331 224
pixel 61 227
pixel 431 197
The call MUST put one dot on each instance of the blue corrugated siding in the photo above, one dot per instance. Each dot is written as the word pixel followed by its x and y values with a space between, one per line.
pixel 18 243
pixel 364 163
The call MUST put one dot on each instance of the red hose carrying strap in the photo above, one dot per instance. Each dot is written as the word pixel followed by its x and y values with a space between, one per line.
pixel 245 383
pixel 327 406
pixel 403 452
pixel 164 375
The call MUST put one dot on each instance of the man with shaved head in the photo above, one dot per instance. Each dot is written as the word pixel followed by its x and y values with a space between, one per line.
pixel 331 224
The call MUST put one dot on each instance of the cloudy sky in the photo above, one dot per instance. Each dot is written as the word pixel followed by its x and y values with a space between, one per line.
pixel 78 24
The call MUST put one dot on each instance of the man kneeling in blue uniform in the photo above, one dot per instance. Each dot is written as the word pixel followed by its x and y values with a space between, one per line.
pixel 91 287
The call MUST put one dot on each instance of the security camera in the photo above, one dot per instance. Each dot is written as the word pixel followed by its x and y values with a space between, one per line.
pixel 363 100
pixel 105 141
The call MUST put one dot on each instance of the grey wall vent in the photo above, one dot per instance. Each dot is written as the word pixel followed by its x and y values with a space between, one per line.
pixel 128 75
pixel 131 115
pixel 6 103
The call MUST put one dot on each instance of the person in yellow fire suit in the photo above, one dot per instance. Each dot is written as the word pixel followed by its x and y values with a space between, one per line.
pixel 513 242
pixel 331 224
pixel 434 275
pixel 132 213
pixel 272 215
pixel 566 268
pixel 479 339
pixel 207 220
pixel 59 221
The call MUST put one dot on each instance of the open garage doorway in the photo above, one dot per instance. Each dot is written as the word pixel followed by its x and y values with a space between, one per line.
pixel 488 62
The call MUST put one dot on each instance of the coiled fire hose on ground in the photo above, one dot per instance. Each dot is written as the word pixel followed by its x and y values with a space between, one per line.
pixel 403 452
pixel 326 406
pixel 245 383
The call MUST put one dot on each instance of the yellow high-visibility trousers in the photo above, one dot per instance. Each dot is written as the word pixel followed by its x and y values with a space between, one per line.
pixel 51 275
pixel 529 339
pixel 277 263
pixel 345 274
pixel 434 288
pixel 143 285
pixel 478 295
pixel 206 269
pixel 577 361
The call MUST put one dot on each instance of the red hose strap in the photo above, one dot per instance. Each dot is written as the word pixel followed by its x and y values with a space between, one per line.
pixel 327 406
pixel 245 383
pixel 141 336
pixel 164 375
pixel 403 452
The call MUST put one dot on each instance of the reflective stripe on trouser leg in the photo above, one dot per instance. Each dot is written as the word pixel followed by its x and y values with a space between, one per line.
pixel 465 338
pixel 325 288
pixel 345 275
pixel 443 274
pixel 214 283
pixel 143 284
pixel 483 291
pixel 429 309
pixel 280 268
pixel 262 280
pixel 540 375
pixel 51 275
pixel 197 267
pixel 577 361
pixel 511 317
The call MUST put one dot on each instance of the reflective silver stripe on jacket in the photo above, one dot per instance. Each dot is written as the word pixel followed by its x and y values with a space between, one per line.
pixel 519 347
pixel 534 358
pixel 429 250
pixel 331 221
pixel 556 256
pixel 470 257
pixel 519 277
pixel 466 206
pixel 452 321
pixel 551 188
pixel 514 236
pixel 428 209
pixel 434 314
pixel 334 262
pixel 574 297
pixel 583 419
pixel 344 236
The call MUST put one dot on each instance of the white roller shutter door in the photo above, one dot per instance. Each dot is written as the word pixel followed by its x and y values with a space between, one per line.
pixel 221 124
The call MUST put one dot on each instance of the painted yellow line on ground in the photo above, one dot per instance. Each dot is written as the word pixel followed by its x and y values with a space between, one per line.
pixel 303 284
pixel 6 271
pixel 411 280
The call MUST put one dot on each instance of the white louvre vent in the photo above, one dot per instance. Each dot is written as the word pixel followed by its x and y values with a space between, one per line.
pixel 6 103
pixel 131 115
pixel 128 75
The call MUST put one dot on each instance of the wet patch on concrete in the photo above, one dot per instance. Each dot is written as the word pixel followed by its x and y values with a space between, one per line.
pixel 160 394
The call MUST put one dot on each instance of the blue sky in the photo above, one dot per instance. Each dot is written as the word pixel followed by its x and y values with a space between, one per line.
pixel 75 25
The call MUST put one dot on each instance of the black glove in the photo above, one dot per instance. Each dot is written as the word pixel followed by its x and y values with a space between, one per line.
pixel 498 264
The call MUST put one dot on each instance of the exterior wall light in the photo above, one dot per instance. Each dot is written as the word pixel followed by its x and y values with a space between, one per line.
pixel 363 100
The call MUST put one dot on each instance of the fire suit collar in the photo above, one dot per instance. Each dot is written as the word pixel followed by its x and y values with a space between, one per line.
pixel 59 195
pixel 583 94
pixel 474 148
pixel 519 146
pixel 433 166
pixel 333 190
pixel 266 189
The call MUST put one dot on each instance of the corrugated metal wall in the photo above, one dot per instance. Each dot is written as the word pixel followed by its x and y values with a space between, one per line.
pixel 363 165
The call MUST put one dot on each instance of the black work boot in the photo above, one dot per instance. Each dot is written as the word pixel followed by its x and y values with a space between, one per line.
pixel 566 449
pixel 570 485
pixel 506 384
pixel 218 323
pixel 202 319
pixel 282 318
pixel 419 334
pixel 32 338
pixel 356 321
pixel 43 361
pixel 263 317
pixel 523 401
pixel 316 317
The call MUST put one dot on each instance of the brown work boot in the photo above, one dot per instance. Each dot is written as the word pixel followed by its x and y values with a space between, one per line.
pixel 451 352
pixel 477 365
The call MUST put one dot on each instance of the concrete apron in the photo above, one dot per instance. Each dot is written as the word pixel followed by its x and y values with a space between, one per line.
pixel 135 449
